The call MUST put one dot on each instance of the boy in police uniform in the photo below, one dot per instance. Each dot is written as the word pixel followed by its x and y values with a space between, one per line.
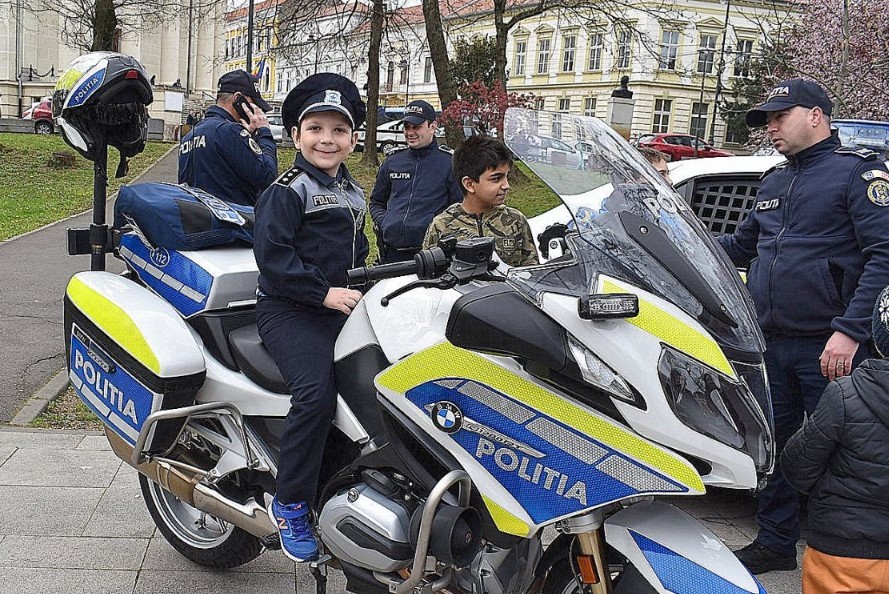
pixel 309 231
pixel 481 166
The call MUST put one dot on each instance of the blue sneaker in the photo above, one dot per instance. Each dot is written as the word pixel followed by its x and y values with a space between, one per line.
pixel 294 524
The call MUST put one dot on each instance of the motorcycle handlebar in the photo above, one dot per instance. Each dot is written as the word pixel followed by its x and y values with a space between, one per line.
pixel 426 264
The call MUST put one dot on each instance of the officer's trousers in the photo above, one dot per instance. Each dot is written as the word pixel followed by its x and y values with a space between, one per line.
pixel 796 385
pixel 301 341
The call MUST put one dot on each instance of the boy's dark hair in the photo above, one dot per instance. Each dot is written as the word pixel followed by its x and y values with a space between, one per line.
pixel 653 155
pixel 476 155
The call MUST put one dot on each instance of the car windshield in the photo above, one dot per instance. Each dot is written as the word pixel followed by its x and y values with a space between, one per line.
pixel 869 135
pixel 628 224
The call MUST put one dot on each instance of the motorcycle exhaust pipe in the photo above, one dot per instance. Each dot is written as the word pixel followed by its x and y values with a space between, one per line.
pixel 186 486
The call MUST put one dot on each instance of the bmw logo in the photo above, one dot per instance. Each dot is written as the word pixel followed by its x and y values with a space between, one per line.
pixel 160 257
pixel 447 416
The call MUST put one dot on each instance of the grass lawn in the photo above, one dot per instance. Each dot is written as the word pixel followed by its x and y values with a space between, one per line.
pixel 527 193
pixel 33 194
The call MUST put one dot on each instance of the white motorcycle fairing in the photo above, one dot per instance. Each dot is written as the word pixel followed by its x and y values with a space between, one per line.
pixel 694 562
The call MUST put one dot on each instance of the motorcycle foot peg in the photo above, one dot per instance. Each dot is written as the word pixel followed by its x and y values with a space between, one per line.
pixel 271 542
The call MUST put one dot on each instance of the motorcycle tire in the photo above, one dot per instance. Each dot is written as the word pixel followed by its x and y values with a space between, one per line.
pixel 196 535
pixel 561 580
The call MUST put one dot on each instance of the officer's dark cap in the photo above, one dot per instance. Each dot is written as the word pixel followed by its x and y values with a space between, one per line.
pixel 787 94
pixel 241 81
pixel 418 112
pixel 324 91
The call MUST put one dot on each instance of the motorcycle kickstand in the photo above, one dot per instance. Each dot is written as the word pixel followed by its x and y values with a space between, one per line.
pixel 318 569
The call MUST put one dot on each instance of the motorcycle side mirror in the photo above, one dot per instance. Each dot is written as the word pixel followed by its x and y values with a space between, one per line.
pixel 606 306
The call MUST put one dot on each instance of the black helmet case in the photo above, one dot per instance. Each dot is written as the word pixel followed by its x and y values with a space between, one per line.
pixel 101 97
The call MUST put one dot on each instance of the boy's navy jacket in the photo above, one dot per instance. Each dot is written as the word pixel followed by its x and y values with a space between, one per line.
pixel 841 458
pixel 817 242
pixel 412 186
pixel 220 156
pixel 309 231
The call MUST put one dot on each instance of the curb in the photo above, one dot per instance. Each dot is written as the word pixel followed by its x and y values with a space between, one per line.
pixel 37 403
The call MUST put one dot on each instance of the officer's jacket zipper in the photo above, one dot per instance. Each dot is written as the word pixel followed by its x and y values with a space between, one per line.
pixel 778 242
pixel 410 197
pixel 345 196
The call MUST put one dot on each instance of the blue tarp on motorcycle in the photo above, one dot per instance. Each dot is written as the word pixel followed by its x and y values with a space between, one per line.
pixel 179 217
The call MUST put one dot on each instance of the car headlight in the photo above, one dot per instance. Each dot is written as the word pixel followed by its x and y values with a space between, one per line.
pixel 599 374
pixel 718 406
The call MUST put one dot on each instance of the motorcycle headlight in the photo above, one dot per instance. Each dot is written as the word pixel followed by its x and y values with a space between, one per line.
pixel 597 373
pixel 718 406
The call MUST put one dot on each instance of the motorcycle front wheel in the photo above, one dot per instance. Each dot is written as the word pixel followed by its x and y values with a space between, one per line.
pixel 197 535
pixel 562 580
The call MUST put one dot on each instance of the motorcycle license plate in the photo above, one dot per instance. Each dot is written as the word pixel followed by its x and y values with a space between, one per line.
pixel 119 400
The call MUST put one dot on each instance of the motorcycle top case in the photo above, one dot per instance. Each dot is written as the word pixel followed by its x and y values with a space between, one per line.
pixel 129 354
pixel 180 217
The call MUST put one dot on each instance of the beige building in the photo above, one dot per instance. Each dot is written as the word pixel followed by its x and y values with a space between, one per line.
pixel 183 53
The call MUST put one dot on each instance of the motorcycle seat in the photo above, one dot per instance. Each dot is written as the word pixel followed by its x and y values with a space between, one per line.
pixel 254 359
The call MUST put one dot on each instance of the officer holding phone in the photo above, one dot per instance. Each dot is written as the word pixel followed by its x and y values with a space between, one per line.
pixel 231 152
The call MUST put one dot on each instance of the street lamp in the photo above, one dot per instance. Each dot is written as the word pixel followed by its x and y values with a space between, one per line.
pixel 406 68
pixel 317 42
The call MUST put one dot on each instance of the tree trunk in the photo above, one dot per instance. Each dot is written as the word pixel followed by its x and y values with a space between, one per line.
pixel 104 25
pixel 370 158
pixel 438 50
pixel 501 32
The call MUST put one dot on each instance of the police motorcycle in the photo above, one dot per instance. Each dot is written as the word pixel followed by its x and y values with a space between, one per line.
pixel 477 408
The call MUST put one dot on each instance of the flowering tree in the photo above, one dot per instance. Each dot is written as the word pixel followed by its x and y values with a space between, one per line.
pixel 484 105
pixel 844 45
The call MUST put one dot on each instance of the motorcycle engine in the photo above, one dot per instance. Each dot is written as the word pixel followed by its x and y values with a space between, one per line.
pixel 363 527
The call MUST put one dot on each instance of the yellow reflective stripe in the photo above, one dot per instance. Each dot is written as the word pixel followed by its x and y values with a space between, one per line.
pixel 505 521
pixel 675 332
pixel 113 321
pixel 444 360
pixel 743 276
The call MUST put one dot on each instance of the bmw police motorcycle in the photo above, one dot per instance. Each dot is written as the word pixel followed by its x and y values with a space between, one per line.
pixel 478 407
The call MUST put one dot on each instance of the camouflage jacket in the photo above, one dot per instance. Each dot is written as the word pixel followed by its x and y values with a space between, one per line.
pixel 508 226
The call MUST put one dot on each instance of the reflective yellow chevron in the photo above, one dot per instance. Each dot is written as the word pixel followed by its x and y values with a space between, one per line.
pixel 505 521
pixel 444 360
pixel 671 330
pixel 113 321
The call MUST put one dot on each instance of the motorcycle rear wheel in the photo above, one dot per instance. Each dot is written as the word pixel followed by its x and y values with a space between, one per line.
pixel 196 535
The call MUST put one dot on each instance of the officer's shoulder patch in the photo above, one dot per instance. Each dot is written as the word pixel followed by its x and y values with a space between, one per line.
pixel 878 192
pixel 254 146
pixel 861 153
pixel 775 167
pixel 289 176
pixel 446 149
pixel 244 133
pixel 873 174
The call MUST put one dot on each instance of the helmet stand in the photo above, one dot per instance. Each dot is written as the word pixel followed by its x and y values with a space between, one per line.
pixel 98 239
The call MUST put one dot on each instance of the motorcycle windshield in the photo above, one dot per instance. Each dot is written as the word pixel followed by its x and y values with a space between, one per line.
pixel 625 221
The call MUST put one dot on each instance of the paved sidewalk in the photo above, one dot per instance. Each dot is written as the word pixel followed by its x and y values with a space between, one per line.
pixel 72 519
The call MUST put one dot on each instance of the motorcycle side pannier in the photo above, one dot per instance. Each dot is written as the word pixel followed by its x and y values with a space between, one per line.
pixel 129 354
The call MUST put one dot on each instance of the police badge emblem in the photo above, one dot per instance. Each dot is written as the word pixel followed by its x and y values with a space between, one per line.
pixel 254 146
pixel 878 192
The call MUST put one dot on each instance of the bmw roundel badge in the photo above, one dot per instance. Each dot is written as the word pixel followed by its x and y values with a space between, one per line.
pixel 447 416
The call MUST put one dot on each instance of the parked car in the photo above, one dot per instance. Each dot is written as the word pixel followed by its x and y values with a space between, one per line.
pixel 41 113
pixel 276 123
pixel 680 146
pixel 867 134
pixel 545 149
pixel 719 191
pixel 391 135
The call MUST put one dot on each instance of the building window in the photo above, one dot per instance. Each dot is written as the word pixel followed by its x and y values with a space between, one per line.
pixel 743 54
pixel 279 78
pixel 427 70
pixel 589 107
pixel 557 126
pixel 569 44
pixel 521 48
pixel 698 126
pixel 390 76
pixel 402 76
pixel 669 50
pixel 565 104
pixel 661 121
pixel 706 53
pixel 596 44
pixel 624 53
pixel 540 103
pixel 226 48
pixel 543 55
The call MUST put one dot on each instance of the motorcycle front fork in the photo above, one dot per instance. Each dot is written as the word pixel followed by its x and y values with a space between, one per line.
pixel 590 560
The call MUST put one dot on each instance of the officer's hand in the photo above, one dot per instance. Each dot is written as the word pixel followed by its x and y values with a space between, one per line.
pixel 836 360
pixel 343 300
pixel 257 120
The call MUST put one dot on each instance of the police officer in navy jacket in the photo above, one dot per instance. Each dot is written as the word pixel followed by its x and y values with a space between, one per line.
pixel 413 185
pixel 229 154
pixel 817 244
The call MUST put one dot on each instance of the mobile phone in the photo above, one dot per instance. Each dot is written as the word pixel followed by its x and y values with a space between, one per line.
pixel 242 106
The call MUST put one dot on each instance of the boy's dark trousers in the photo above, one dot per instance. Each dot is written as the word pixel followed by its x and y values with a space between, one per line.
pixel 301 340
